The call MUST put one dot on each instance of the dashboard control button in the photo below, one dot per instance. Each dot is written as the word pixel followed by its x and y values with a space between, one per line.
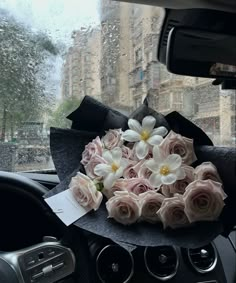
pixel 31 262
pixel 47 270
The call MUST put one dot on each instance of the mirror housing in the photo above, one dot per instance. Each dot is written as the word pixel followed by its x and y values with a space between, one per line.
pixel 200 53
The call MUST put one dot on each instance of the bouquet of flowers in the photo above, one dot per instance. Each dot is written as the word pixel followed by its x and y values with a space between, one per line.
pixel 134 176
pixel 145 174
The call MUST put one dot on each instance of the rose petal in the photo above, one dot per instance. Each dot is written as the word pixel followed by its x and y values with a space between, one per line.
pixel 155 140
pixel 131 136
pixel 134 125
pixel 116 154
pixel 180 174
pixel 141 149
pixel 109 181
pixel 155 180
pixel 148 123
pixel 160 131
pixel 174 161
pixel 152 165
pixel 168 179
pixel 99 196
pixel 102 170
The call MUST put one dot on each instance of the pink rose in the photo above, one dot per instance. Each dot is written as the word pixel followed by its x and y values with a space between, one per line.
pixel 112 139
pixel 93 162
pixel 132 170
pixel 126 152
pixel 138 186
pixel 204 200
pixel 85 191
pixel 165 190
pixel 94 147
pixel 180 185
pixel 207 170
pixel 149 155
pixel 120 185
pixel 172 212
pixel 175 143
pixel 124 207
pixel 150 203
pixel 144 172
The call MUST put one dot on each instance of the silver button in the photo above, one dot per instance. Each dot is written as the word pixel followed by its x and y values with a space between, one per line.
pixel 31 262
pixel 47 270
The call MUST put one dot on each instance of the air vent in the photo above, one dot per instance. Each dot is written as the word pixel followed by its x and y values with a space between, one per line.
pixel 114 264
pixel 203 259
pixel 161 262
pixel 171 24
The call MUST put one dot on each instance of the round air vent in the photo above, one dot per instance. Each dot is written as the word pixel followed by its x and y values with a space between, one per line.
pixel 203 259
pixel 161 262
pixel 114 264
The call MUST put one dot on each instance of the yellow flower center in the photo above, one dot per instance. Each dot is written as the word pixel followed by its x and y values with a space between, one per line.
pixel 165 170
pixel 114 167
pixel 145 135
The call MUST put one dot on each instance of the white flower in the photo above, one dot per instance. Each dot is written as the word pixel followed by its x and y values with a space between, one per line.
pixel 114 168
pixel 165 171
pixel 144 135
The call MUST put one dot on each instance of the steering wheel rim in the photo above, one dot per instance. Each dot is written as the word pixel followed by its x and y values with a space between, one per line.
pixel 28 185
pixel 34 191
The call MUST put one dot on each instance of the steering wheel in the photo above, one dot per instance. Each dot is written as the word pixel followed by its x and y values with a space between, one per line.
pixel 48 261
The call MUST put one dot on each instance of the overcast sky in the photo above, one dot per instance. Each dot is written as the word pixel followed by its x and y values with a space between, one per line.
pixel 58 17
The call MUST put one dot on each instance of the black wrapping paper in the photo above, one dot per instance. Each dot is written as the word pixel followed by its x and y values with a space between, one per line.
pixel 93 116
pixel 66 148
pixel 68 145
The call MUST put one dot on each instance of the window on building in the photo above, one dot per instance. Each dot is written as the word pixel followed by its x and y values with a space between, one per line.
pixel 155 24
pixel 164 74
pixel 164 101
pixel 138 55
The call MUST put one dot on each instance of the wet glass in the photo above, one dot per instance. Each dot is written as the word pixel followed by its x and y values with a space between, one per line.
pixel 53 53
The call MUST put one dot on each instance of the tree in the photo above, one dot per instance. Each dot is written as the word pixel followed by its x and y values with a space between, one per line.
pixel 22 58
pixel 58 116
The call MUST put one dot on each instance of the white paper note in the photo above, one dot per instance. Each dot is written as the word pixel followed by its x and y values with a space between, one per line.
pixel 66 207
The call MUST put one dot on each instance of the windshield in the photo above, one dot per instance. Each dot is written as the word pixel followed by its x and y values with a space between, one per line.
pixel 54 52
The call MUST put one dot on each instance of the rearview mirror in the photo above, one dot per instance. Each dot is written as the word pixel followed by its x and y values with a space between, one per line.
pixel 201 54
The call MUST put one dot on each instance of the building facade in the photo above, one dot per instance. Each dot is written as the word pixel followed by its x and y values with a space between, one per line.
pixel 81 69
pixel 118 65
